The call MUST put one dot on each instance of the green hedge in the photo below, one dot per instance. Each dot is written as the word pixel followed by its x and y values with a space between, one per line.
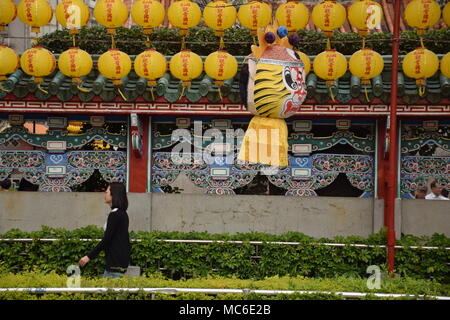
pixel 339 284
pixel 183 260
pixel 202 41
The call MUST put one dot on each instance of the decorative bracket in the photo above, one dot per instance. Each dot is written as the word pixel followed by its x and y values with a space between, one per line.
pixel 136 135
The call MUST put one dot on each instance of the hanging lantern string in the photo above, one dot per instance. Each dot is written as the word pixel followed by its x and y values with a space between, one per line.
pixel 332 95
pixel 363 42
pixel 41 89
pixel 113 42
pixel 328 44
pixel 79 86
pixel 221 43
pixel 73 40
pixel 147 42
pixel 151 92
pixel 366 93
pixel 183 43
pixel 421 90
pixel 247 42
pixel 421 42
pixel 121 94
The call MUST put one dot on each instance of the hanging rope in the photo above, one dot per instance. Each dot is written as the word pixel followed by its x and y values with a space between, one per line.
pixel 421 90
pixel 121 94
pixel 79 86
pixel 147 42
pixel 363 42
pixel 3 88
pixel 183 43
pixel 41 89
pixel 113 42
pixel 366 93
pixel 151 92
pixel 73 40
pixel 332 95
pixel 221 43
pixel 182 93
pixel 220 94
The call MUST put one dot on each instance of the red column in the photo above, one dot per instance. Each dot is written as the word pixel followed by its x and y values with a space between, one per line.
pixel 393 144
pixel 138 161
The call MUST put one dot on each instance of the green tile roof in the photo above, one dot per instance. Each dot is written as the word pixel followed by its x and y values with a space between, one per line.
pixel 168 89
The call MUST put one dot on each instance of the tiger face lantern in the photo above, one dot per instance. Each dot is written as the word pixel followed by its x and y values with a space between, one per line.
pixel 272 86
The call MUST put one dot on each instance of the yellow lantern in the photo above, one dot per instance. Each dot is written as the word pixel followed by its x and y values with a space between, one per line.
pixel 445 65
pixel 111 14
pixel 72 14
pixel 446 14
pixel 306 61
pixel 330 65
pixel 420 64
pixel 254 15
pixel 148 14
pixel 9 13
pixel 366 64
pixel 38 62
pixel 150 65
pixel 184 14
pixel 114 65
pixel 365 15
pixel 35 13
pixel 328 15
pixel 186 65
pixel 293 15
pixel 10 61
pixel 75 63
pixel 422 14
pixel 220 65
pixel 219 15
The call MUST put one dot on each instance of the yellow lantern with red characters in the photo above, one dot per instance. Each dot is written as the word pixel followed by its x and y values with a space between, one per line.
pixel 38 62
pixel 293 15
pixel 72 14
pixel 330 65
pixel 422 14
pixel 150 65
pixel 219 15
pixel 9 13
pixel 75 63
pixel 306 61
pixel 148 14
pixel 329 15
pixel 35 13
pixel 114 65
pixel 365 15
pixel 220 65
pixel 420 64
pixel 366 64
pixel 111 14
pixel 186 66
pixel 254 15
pixel 445 65
pixel 10 61
pixel 184 14
pixel 446 14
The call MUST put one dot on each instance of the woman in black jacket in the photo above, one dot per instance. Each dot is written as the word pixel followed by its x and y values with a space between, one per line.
pixel 116 239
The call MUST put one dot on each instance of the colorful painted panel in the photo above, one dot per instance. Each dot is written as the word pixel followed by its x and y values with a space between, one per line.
pixel 60 172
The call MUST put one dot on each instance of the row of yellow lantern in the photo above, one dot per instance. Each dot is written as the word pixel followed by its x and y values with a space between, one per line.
pixel 218 14
pixel 220 65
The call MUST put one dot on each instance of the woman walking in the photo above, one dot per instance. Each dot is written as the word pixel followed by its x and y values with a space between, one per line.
pixel 116 239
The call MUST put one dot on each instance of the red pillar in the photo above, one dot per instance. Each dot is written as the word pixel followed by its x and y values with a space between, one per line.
pixel 393 144
pixel 138 161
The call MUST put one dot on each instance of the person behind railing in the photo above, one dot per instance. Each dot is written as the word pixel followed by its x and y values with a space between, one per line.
pixel 116 239
pixel 436 192
pixel 420 193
